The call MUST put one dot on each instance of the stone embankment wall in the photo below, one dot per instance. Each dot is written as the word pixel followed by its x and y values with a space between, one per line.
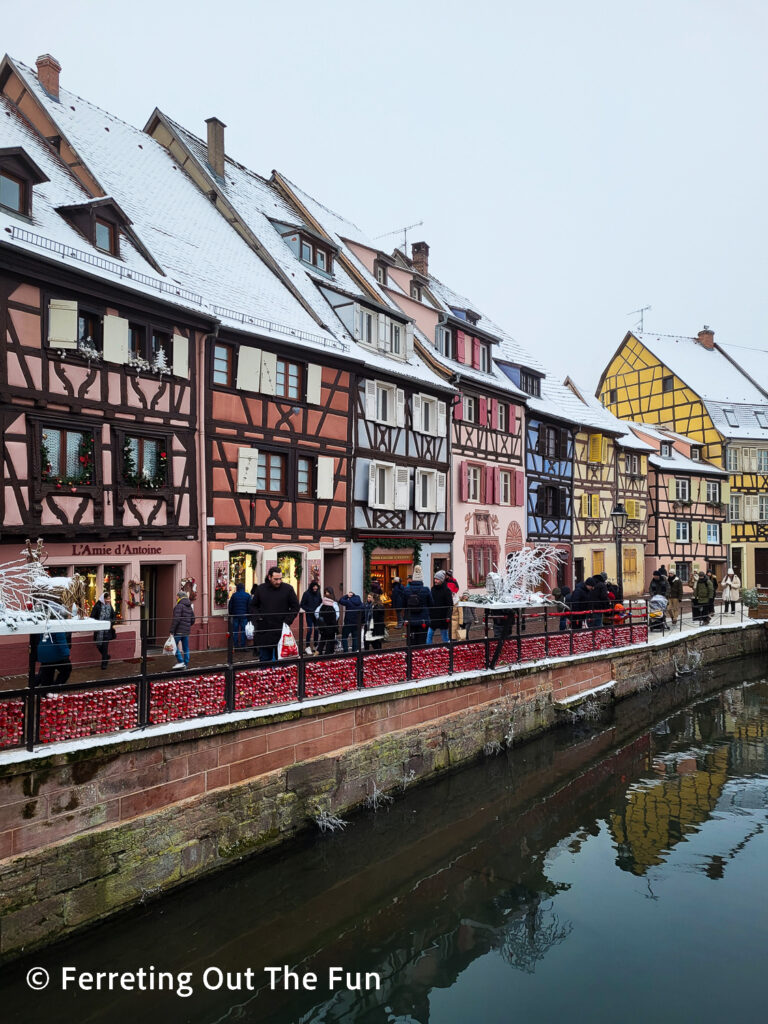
pixel 95 829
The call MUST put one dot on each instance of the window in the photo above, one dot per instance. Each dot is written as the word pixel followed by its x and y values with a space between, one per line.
pixel 762 508
pixel 160 354
pixel 88 331
pixel 550 501
pixel 713 533
pixel 416 291
pixel 598 562
pixel 270 476
pixel 730 417
pixel 761 420
pixel 104 237
pixel 474 483
pixel 632 464
pixel 381 273
pixel 713 492
pixel 696 454
pixel 734 460
pixel 530 384
pixel 666 450
pixel 288 379
pixel 684 571
pixel 667 384
pixel 470 408
pixel 428 416
pixel 66 456
pixel 12 193
pixel 395 336
pixel 385 403
pixel 306 251
pixel 481 559
pixel 304 477
pixel 612 396
pixel 320 259
pixel 223 359
pixel 735 513
pixel 629 560
pixel 550 443
pixel 444 342
pixel 762 460
pixel 144 462
pixel 484 358
pixel 634 508
pixel 683 490
pixel 682 533
pixel 137 340
pixel 429 491
pixel 503 423
pixel 505 487
pixel 365 326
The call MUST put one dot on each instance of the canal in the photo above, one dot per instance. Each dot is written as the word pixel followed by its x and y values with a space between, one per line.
pixel 611 871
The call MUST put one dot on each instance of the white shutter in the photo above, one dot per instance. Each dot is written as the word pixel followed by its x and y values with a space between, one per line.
pixel 62 323
pixel 370 399
pixel 356 330
pixel 249 368
pixel 180 356
pixel 417 486
pixel 325 467
pixel 314 383
pixel 417 422
pixel 408 340
pixel 116 348
pixel 442 424
pixel 400 406
pixel 383 323
pixel 268 373
pixel 372 496
pixel 751 508
pixel 753 460
pixel 440 493
pixel 247 469
pixel 402 480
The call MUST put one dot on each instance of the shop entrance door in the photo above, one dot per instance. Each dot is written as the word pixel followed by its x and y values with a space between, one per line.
pixel 159 584
pixel 761 567
pixel 333 572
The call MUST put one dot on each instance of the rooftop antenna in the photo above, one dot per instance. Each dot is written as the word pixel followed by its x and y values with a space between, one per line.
pixel 641 312
pixel 404 230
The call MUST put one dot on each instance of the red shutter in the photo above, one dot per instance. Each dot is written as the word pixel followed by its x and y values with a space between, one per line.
pixel 483 411
pixel 519 487
pixel 463 481
pixel 476 353
pixel 458 407
pixel 489 496
pixel 496 485
pixel 513 414
pixel 461 356
pixel 495 413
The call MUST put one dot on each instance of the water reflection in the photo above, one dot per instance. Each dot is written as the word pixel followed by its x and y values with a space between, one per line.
pixel 492 890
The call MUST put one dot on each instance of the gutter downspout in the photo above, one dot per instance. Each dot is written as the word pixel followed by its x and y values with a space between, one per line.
pixel 200 443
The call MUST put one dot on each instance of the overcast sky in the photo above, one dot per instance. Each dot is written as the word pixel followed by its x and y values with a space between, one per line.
pixel 571 161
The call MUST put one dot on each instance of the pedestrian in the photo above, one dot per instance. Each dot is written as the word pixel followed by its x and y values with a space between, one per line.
pixel 104 612
pixel 675 596
pixel 442 609
pixel 398 600
pixel 354 610
pixel 181 626
pixel 376 629
pixel 713 580
pixel 53 655
pixel 579 602
pixel 600 598
pixel 273 605
pixel 658 585
pixel 731 591
pixel 702 593
pixel 310 602
pixel 418 601
pixel 238 606
pixel 468 616
pixel 453 585
pixel 327 617
pixel 562 599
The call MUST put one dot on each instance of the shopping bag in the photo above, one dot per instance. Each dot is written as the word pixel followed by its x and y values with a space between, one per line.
pixel 249 631
pixel 169 647
pixel 287 648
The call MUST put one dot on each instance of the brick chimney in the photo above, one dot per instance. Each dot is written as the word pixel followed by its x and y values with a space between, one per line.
pixel 216 145
pixel 420 258
pixel 48 69
pixel 706 337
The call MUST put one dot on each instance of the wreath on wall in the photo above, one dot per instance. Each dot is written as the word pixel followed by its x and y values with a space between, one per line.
pixel 296 556
pixel 386 542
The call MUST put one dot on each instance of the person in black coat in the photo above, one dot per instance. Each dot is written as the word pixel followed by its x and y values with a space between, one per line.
pixel 442 609
pixel 418 601
pixel 181 626
pixel 238 614
pixel 273 605
pixel 104 611
pixel 600 600
pixel 562 599
pixel 582 602
pixel 376 629
pixel 658 584
pixel 398 600
pixel 310 602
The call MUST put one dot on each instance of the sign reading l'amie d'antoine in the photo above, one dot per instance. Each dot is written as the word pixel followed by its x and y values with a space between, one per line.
pixel 114 549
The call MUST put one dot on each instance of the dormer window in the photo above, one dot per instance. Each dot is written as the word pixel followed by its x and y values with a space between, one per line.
pixel 415 291
pixel 315 254
pixel 104 235
pixel 18 176
pixel 381 272
pixel 530 384
pixel 666 450
pixel 696 454
pixel 444 342
pixel 100 222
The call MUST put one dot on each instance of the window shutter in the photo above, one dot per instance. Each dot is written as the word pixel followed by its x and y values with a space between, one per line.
pixel 672 489
pixel 514 412
pixel 519 498
pixel 249 368
pixel 644 465
pixel 268 373
pixel 595 447
pixel 461 353
pixel 752 460
pixel 475 353
pixel 561 503
pixel 116 349
pixel 408 340
pixel 180 356
pixel 562 444
pixel 370 399
pixel 442 424
pixel 494 414
pixel 247 469
pixel 325 468
pixel 725 491
pixel 751 508
pixel 400 408
pixel 440 492
pixel 697 489
pixel 483 411
pixel 372 496
pixel 672 531
pixel 314 383
pixel 458 407
pixel 383 323
pixel 725 531
pixel 402 480
pixel 584 506
pixel 418 484
pixel 417 424
pixel 595 505
pixel 490 498
pixel 496 484
pixel 62 323
pixel 463 481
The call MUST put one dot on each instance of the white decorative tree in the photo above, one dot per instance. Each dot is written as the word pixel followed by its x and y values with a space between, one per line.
pixel 28 594
pixel 526 572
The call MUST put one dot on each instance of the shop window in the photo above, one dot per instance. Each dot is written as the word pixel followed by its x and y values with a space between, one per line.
pixel 290 564
pixel 90 574
pixel 114 578
pixel 242 569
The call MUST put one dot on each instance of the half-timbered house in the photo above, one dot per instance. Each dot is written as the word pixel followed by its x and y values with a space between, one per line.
pixel 716 395
pixel 687 506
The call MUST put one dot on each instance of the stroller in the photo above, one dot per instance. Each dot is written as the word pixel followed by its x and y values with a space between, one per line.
pixel 657 613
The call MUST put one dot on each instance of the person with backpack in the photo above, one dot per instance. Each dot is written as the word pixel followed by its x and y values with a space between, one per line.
pixel 327 618
pixel 713 580
pixel 310 602
pixel 353 614
pixel 238 607
pixel 702 594
pixel 442 609
pixel 418 601
pixel 53 655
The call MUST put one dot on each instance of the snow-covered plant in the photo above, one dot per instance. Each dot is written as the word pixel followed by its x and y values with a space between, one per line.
pixel 140 364
pixel 87 348
pixel 328 822
pixel 160 362
pixel 377 798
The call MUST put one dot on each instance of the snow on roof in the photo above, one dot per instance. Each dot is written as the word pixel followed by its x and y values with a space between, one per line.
pixel 605 420
pixel 753 361
pixel 677 461
pixel 706 371
pixel 740 422
pixel 188 237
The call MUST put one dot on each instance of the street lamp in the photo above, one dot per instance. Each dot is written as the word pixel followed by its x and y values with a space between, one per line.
pixel 619 516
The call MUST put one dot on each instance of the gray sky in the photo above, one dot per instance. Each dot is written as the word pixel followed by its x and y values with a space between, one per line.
pixel 571 161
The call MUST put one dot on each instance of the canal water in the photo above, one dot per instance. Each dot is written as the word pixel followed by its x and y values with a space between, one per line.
pixel 612 871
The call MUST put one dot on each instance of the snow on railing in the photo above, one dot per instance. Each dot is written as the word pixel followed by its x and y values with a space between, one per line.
pixel 270 325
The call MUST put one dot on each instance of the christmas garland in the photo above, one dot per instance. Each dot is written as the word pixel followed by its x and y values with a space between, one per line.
pixel 84 456
pixel 386 542
pixel 296 556
pixel 136 479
